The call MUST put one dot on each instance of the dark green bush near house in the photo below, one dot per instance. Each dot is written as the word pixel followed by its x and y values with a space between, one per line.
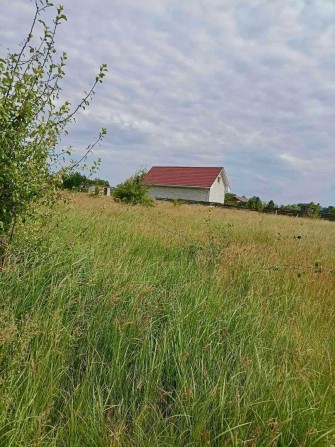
pixel 133 191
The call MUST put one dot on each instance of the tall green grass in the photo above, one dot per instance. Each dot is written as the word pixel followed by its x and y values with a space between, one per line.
pixel 168 327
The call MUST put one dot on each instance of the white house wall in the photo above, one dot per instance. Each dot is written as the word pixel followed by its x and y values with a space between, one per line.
pixel 217 191
pixel 166 192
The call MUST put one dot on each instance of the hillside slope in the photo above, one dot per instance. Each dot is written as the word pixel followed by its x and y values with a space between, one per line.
pixel 170 326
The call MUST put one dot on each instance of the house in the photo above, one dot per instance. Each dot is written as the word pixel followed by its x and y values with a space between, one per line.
pixel 195 184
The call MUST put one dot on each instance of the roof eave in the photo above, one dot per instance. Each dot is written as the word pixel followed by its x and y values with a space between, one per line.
pixel 225 178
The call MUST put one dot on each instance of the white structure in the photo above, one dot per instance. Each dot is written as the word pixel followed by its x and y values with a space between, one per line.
pixel 99 190
pixel 196 184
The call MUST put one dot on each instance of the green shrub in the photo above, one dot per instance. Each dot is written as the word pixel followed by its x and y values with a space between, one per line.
pixel 33 121
pixel 133 191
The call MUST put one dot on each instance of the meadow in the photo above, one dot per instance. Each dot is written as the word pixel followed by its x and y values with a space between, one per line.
pixel 169 326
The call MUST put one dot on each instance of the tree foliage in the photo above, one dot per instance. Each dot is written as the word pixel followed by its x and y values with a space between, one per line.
pixel 133 191
pixel 73 180
pixel 271 205
pixel 229 196
pixel 32 122
pixel 255 203
pixel 313 208
pixel 329 210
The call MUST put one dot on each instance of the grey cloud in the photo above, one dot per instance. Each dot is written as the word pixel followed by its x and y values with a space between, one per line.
pixel 251 21
pixel 318 14
pixel 247 84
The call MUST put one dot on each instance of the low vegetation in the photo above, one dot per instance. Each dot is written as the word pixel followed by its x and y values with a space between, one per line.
pixel 34 117
pixel 77 181
pixel 133 191
pixel 255 203
pixel 169 326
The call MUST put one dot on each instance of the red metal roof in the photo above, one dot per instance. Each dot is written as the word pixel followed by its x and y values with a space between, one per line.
pixel 196 177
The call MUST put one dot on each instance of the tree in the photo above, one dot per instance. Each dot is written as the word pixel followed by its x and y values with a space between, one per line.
pixel 98 181
pixel 293 207
pixel 74 180
pixel 133 191
pixel 255 203
pixel 271 205
pixel 328 210
pixel 32 123
pixel 77 180
pixel 313 209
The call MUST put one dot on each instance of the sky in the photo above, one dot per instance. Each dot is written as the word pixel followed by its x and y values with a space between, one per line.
pixel 244 84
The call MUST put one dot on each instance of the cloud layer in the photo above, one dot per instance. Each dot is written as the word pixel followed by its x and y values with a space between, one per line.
pixel 245 84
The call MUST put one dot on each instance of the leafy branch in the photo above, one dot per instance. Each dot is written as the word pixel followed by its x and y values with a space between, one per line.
pixel 32 123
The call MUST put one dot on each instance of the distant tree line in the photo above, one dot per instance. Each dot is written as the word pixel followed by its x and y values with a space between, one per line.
pixel 256 203
pixel 76 180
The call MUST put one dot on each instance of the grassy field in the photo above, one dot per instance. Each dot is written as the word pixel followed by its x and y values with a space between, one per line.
pixel 170 326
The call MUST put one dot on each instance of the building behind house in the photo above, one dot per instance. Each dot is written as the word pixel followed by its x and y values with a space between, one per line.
pixel 99 190
pixel 237 199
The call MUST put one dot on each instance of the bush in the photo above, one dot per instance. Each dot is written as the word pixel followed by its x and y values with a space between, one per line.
pixel 133 191
pixel 74 180
pixel 255 203
pixel 32 122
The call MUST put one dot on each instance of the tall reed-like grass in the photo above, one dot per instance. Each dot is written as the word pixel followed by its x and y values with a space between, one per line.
pixel 170 326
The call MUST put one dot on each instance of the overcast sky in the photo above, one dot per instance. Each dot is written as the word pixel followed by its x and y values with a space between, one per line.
pixel 244 84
